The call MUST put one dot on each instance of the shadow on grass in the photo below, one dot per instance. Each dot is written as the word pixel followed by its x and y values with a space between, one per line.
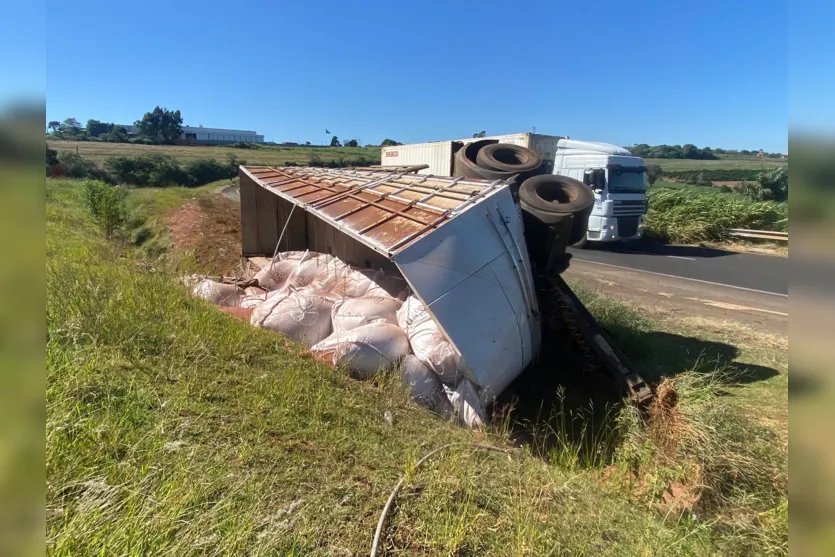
pixel 658 354
pixel 564 408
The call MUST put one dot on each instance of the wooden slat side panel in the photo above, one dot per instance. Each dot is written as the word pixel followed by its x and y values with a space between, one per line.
pixel 295 233
pixel 265 205
pixel 249 220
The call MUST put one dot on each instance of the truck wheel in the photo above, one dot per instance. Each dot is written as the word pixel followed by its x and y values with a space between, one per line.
pixel 551 193
pixel 582 243
pixel 465 163
pixel 550 198
pixel 506 157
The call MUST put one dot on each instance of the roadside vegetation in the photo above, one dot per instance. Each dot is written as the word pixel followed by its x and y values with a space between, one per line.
pixel 702 212
pixel 692 214
pixel 173 428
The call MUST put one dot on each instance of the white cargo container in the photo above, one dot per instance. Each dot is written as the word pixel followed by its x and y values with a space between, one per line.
pixel 438 154
pixel 616 176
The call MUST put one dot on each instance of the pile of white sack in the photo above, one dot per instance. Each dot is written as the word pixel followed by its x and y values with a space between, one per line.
pixel 360 319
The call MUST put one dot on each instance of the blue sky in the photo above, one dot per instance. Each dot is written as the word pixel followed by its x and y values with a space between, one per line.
pixel 709 73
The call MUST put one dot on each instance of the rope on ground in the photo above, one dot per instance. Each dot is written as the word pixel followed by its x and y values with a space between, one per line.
pixel 283 230
pixel 379 532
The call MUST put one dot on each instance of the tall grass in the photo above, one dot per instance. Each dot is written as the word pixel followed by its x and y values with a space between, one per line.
pixel 689 215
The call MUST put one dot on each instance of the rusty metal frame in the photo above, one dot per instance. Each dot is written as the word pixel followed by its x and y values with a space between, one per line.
pixel 328 182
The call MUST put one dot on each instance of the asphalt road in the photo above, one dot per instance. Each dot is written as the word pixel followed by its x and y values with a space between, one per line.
pixel 765 273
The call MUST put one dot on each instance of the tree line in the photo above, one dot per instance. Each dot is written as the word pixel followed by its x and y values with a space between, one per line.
pixel 157 127
pixel 689 151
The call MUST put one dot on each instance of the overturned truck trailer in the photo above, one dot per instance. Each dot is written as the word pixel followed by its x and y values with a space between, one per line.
pixel 458 243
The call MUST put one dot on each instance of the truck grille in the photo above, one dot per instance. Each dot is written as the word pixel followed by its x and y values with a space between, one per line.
pixel 627 227
pixel 629 207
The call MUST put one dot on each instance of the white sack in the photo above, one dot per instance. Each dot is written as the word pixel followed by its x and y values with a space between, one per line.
pixel 345 282
pixel 253 297
pixel 351 313
pixel 428 342
pixel 466 404
pixel 365 350
pixel 274 276
pixel 253 290
pixel 302 317
pixel 316 268
pixel 219 293
pixel 384 285
pixel 424 386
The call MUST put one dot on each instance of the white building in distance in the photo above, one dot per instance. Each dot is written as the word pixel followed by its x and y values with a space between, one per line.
pixel 208 136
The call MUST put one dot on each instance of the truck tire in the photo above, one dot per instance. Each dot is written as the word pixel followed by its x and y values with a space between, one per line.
pixel 506 157
pixel 550 198
pixel 465 163
pixel 581 243
pixel 551 193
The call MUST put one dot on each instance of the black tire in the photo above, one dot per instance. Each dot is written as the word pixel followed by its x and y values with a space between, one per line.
pixel 550 198
pixel 551 193
pixel 506 157
pixel 581 243
pixel 465 163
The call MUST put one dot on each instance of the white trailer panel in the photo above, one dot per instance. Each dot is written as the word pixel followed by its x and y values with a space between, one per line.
pixel 438 155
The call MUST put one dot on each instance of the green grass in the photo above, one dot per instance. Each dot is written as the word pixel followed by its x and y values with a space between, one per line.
pixel 690 214
pixel 98 152
pixel 753 163
pixel 174 429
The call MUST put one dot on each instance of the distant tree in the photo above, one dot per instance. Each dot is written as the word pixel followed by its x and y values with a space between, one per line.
pixel 351 143
pixel 70 127
pixel 54 125
pixel 116 134
pixel 335 142
pixel 96 128
pixel 307 143
pixel 482 133
pixel 776 183
pixel 161 125
pixel 654 172
pixel 389 143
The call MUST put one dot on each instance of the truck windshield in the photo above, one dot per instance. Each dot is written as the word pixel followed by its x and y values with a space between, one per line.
pixel 623 181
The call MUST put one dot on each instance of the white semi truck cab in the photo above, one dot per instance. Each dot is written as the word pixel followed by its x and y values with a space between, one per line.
pixel 618 180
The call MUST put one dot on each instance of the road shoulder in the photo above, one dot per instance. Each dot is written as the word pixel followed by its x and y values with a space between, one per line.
pixel 684 297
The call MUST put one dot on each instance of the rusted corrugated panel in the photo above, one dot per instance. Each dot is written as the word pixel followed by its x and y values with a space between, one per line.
pixel 387 210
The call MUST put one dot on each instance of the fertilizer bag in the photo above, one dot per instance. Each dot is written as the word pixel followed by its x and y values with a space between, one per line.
pixel 424 386
pixel 365 350
pixel 227 295
pixel 428 342
pixel 274 276
pixel 302 317
pixel 351 313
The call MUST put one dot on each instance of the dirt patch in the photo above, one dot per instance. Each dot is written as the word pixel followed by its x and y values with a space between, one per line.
pixel 207 231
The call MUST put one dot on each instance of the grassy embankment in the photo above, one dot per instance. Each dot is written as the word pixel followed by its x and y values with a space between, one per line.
pixel 172 428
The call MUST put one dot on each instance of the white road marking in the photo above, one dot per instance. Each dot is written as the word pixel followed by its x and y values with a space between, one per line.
pixel 680 257
pixel 736 307
pixel 682 278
